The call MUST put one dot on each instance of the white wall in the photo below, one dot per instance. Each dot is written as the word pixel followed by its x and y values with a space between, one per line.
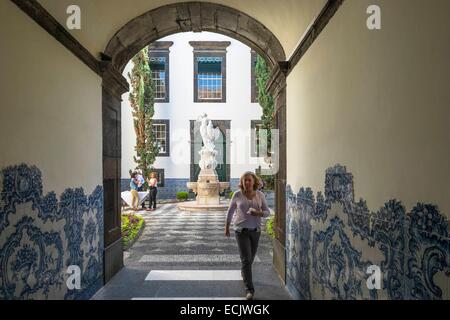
pixel 51 113
pixel 51 118
pixel 181 108
pixel 377 102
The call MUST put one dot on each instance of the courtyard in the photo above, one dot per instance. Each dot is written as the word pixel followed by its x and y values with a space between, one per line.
pixel 179 255
pixel 357 164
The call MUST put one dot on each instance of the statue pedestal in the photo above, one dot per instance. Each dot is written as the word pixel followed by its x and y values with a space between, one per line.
pixel 207 189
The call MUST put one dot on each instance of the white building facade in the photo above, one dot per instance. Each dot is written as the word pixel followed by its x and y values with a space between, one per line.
pixel 196 73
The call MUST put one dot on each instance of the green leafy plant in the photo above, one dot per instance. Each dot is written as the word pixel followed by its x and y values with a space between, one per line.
pixel 142 98
pixel 131 225
pixel 267 103
pixel 230 195
pixel 270 224
pixel 182 195
pixel 269 180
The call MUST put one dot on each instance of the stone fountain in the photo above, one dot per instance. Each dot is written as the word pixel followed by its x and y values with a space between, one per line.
pixel 208 186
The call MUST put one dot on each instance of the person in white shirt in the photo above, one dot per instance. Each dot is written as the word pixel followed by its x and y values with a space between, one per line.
pixel 248 205
pixel 140 182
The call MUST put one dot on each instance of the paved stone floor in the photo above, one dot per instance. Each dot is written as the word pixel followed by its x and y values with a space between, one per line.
pixel 177 240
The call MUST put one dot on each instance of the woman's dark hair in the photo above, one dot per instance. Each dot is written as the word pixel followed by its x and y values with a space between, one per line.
pixel 133 175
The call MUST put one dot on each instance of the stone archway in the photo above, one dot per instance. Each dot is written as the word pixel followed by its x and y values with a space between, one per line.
pixel 192 16
pixel 145 29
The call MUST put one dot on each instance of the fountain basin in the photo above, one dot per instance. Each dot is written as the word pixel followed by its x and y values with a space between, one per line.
pixel 194 206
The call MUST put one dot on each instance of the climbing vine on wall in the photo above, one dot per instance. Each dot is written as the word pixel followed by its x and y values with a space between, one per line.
pixel 142 99
pixel 266 101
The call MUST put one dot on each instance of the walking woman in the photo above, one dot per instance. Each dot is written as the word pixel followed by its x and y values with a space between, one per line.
pixel 248 206
pixel 152 183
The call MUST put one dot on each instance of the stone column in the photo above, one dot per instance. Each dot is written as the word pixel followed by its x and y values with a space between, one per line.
pixel 277 87
pixel 113 86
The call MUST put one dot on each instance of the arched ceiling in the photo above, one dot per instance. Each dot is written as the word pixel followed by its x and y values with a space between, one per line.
pixel 101 19
pixel 192 16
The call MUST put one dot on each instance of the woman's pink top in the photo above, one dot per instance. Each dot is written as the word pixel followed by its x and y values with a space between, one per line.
pixel 239 207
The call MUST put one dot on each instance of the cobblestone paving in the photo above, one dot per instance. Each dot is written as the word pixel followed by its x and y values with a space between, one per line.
pixel 180 240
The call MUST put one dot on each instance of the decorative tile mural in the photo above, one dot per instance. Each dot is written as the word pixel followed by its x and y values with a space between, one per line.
pixel 41 236
pixel 332 240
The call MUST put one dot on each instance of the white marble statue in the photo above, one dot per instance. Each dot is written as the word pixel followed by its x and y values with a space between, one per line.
pixel 207 187
pixel 209 136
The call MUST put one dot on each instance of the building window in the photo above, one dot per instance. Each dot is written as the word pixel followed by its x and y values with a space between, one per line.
pixel 160 136
pixel 159 65
pixel 255 136
pixel 158 69
pixel 209 70
pixel 254 85
pixel 161 131
pixel 209 78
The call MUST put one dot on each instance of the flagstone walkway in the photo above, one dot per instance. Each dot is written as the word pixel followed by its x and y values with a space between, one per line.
pixel 185 255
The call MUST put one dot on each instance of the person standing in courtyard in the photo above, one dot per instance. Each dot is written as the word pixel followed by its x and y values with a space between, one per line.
pixel 248 205
pixel 153 185
pixel 140 183
pixel 134 192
